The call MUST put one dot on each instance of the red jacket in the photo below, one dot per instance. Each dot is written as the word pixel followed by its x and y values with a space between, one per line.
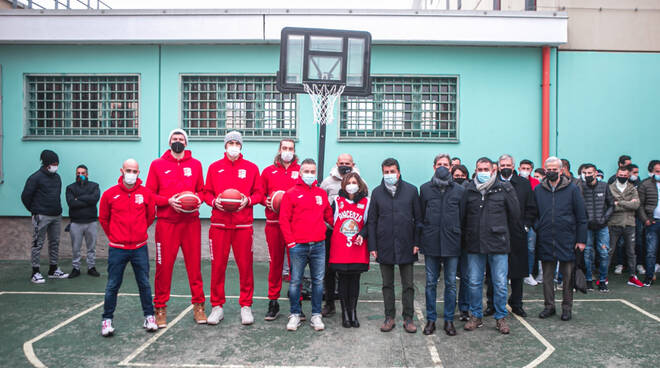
pixel 125 214
pixel 304 213
pixel 241 175
pixel 533 182
pixel 169 176
pixel 276 177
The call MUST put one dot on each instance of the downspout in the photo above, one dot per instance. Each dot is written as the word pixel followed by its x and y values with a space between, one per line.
pixel 545 105
pixel 159 97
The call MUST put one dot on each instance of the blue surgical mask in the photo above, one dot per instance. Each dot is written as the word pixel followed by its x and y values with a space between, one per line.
pixel 657 177
pixel 483 176
pixel 390 179
pixel 308 179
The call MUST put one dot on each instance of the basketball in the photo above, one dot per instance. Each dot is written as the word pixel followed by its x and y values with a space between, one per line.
pixel 189 201
pixel 230 199
pixel 276 200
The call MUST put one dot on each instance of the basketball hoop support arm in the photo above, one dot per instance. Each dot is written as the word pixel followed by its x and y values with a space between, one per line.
pixel 321 153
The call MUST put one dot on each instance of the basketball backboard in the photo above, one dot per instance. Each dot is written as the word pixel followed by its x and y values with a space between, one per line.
pixel 325 56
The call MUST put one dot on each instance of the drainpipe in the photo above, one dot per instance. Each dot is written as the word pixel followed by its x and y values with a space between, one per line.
pixel 545 105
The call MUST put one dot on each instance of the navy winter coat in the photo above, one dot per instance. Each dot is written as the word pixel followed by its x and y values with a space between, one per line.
pixel 41 194
pixel 518 260
pixel 441 219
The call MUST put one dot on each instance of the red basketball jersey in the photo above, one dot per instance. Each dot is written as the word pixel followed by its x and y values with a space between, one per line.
pixel 349 221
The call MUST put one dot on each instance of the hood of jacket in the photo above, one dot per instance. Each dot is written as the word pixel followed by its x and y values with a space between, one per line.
pixel 563 183
pixel 187 155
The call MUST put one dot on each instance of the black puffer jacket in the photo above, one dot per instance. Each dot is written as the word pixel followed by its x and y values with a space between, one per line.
pixel 82 198
pixel 393 223
pixel 441 219
pixel 648 199
pixel 598 203
pixel 486 218
pixel 518 260
pixel 41 194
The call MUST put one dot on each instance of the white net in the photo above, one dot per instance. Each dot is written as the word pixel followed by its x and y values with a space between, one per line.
pixel 323 98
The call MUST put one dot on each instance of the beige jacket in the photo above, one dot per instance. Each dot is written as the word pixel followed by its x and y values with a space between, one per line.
pixel 626 203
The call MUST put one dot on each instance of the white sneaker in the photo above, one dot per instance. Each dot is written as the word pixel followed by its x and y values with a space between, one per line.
pixel 641 270
pixel 294 322
pixel 106 328
pixel 657 267
pixel 618 269
pixel 246 316
pixel 317 323
pixel 217 315
pixel 529 280
pixel 150 324
pixel 37 278
pixel 58 274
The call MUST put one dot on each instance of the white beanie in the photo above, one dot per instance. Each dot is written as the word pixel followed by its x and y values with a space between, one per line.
pixel 178 131
pixel 234 136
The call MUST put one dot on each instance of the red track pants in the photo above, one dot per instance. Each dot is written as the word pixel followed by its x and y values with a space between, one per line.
pixel 169 237
pixel 240 241
pixel 276 250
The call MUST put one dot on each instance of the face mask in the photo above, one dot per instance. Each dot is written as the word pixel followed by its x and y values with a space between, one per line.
pixel 459 180
pixel 506 173
pixel 483 177
pixel 657 177
pixel 582 177
pixel 390 179
pixel 634 177
pixel 286 156
pixel 81 178
pixel 233 151
pixel 552 175
pixel 52 169
pixel 621 179
pixel 524 173
pixel 177 147
pixel 352 188
pixel 308 179
pixel 589 179
pixel 600 179
pixel 343 170
pixel 130 179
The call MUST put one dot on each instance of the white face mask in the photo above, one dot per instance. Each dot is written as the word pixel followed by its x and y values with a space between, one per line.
pixel 286 156
pixel 633 177
pixel 308 179
pixel 352 188
pixel 130 179
pixel 52 169
pixel 524 173
pixel 233 151
pixel 390 179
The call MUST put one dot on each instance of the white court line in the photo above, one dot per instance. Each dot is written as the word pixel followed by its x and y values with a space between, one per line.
pixel 549 349
pixel 27 346
pixel 435 357
pixel 156 336
pixel 640 310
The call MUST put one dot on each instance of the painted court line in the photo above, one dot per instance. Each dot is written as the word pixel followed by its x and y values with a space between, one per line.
pixel 435 357
pixel 640 310
pixel 27 346
pixel 155 336
pixel 549 349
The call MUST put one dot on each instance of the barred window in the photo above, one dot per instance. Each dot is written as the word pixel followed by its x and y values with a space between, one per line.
pixel 212 105
pixel 82 106
pixel 403 108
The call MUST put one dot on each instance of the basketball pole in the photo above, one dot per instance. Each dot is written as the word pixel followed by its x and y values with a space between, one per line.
pixel 321 153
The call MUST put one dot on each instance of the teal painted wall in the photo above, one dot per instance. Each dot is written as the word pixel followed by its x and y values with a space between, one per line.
pixel 608 106
pixel 499 107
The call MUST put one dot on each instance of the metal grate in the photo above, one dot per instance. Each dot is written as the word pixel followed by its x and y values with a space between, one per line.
pixel 82 106
pixel 214 104
pixel 403 108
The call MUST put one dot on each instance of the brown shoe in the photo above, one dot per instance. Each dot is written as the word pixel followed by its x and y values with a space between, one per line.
pixel 409 326
pixel 502 326
pixel 161 317
pixel 473 324
pixel 388 325
pixel 198 313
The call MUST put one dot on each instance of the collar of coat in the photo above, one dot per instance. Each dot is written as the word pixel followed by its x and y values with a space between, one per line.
pixel 563 183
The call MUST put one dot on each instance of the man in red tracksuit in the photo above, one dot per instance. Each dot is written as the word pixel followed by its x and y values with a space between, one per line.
pixel 232 230
pixel 280 176
pixel 305 214
pixel 175 172
pixel 125 213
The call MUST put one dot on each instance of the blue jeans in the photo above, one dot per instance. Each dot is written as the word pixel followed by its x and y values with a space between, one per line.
pixel 301 255
pixel 499 268
pixel 432 265
pixel 117 261
pixel 652 237
pixel 599 239
pixel 531 246
pixel 463 302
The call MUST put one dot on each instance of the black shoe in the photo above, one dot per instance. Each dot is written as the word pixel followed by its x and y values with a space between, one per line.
pixel 519 311
pixel 489 311
pixel 450 330
pixel 566 315
pixel 353 317
pixel 590 286
pixel 602 287
pixel 328 309
pixel 345 317
pixel 74 273
pixel 648 281
pixel 429 329
pixel 547 312
pixel 465 316
pixel 93 272
pixel 273 310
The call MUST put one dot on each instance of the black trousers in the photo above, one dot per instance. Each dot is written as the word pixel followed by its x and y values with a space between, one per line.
pixel 349 288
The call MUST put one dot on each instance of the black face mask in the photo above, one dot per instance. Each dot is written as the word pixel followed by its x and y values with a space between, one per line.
pixel 552 175
pixel 506 173
pixel 459 180
pixel 621 179
pixel 589 179
pixel 177 147
pixel 343 169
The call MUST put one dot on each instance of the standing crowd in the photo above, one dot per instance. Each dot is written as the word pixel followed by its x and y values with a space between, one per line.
pixel 500 225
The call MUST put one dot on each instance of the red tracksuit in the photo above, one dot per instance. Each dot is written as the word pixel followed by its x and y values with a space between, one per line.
pixel 349 220
pixel 167 177
pixel 125 214
pixel 232 230
pixel 276 177
pixel 304 213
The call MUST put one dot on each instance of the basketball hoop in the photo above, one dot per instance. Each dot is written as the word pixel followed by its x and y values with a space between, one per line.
pixel 323 98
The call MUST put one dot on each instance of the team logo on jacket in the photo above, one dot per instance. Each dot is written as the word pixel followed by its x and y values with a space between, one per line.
pixel 294 175
pixel 319 200
pixel 341 205
pixel 187 171
pixel 139 199
pixel 349 229
pixel 241 174
pixel 361 206
pixel 167 171
pixel 117 196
